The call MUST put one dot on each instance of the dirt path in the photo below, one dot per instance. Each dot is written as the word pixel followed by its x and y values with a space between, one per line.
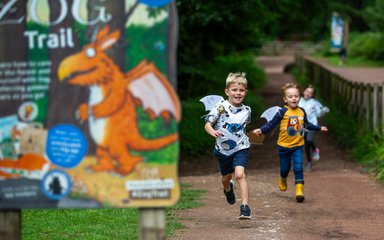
pixel 341 202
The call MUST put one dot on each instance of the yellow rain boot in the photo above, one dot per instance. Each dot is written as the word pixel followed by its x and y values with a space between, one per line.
pixel 282 184
pixel 299 192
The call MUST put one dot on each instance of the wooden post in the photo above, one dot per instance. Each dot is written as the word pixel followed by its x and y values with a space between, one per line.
pixel 374 106
pixel 10 224
pixel 382 106
pixel 152 224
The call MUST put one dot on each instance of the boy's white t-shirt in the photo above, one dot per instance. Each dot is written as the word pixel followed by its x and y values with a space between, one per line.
pixel 232 122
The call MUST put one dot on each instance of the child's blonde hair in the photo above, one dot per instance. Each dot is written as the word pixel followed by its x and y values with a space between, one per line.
pixel 290 85
pixel 238 78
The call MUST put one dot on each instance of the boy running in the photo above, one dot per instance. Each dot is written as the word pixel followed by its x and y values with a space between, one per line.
pixel 293 122
pixel 226 122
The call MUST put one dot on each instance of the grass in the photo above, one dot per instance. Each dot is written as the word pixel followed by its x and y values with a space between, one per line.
pixel 350 62
pixel 113 223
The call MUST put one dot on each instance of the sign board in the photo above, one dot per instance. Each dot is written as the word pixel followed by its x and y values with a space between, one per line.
pixel 337 32
pixel 88 116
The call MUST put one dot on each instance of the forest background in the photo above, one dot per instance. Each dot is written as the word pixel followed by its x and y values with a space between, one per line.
pixel 216 39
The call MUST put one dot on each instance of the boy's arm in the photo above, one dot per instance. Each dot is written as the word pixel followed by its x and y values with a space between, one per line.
pixel 209 129
pixel 267 127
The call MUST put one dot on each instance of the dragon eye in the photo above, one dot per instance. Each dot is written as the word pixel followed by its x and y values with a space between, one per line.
pixel 90 52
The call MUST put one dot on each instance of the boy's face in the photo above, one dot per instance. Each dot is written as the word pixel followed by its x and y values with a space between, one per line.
pixel 308 93
pixel 292 97
pixel 236 93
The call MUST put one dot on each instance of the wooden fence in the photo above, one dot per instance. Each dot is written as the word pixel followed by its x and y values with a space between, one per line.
pixel 362 101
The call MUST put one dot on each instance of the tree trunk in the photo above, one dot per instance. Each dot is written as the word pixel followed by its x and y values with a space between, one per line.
pixel 172 38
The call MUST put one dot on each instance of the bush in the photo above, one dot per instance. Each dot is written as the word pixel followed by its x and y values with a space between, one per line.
pixel 367 45
pixel 209 77
pixel 193 138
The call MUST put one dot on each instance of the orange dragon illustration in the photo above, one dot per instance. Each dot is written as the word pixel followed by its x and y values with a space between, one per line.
pixel 111 108
pixel 29 165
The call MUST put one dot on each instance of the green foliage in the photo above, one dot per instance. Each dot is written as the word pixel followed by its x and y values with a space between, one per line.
pixel 370 151
pixel 209 29
pixel 367 45
pixel 193 138
pixel 364 49
pixel 208 77
pixel 113 223
pixel 342 127
pixel 374 15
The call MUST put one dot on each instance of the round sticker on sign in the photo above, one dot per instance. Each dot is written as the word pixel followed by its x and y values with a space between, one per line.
pixel 66 145
pixel 155 3
pixel 56 184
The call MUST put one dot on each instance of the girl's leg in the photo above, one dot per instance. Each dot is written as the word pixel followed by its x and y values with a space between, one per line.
pixel 243 184
pixel 307 148
pixel 310 138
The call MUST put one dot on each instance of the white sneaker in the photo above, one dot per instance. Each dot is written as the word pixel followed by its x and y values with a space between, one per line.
pixel 316 155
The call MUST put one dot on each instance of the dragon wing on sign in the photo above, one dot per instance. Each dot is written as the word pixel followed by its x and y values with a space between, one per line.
pixel 153 90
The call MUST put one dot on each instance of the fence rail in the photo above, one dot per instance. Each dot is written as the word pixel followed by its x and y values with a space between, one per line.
pixel 363 101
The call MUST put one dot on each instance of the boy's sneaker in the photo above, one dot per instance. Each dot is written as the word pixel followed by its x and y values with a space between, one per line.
pixel 316 155
pixel 245 212
pixel 231 198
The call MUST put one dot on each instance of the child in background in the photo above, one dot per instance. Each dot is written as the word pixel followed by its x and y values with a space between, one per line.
pixel 292 120
pixel 313 109
pixel 226 122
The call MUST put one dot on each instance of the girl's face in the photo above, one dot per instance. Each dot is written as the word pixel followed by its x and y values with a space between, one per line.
pixel 236 93
pixel 308 93
pixel 292 97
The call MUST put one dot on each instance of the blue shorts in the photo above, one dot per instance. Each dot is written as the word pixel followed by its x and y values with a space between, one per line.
pixel 228 163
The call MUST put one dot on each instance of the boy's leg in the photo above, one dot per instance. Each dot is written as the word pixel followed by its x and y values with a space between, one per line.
pixel 285 156
pixel 225 180
pixel 226 169
pixel 229 190
pixel 285 166
pixel 240 162
pixel 297 157
pixel 243 184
